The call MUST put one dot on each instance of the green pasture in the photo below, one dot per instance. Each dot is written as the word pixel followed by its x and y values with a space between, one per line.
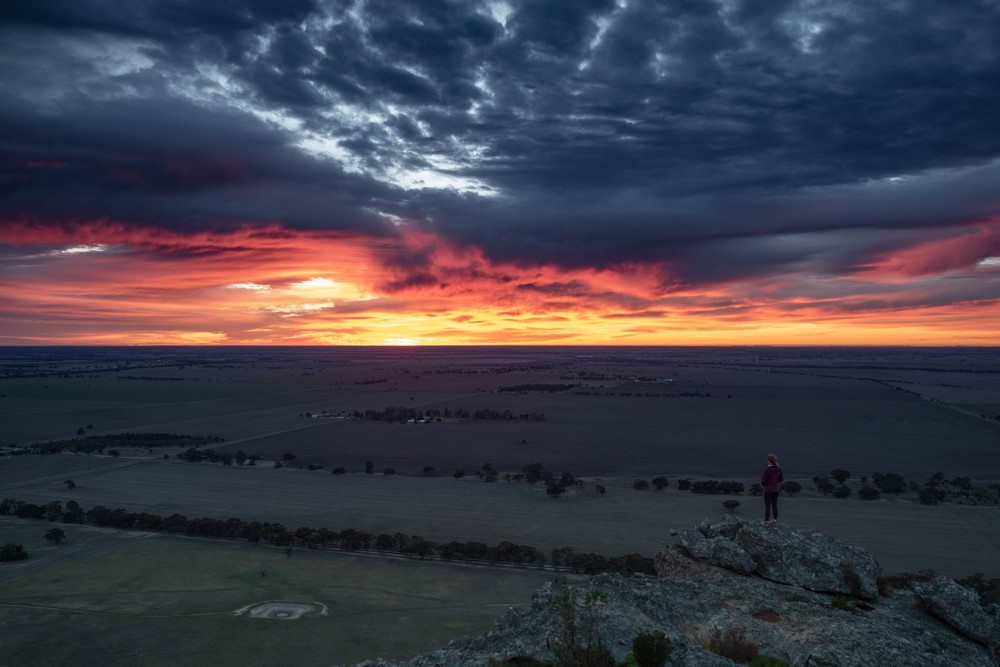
pixel 904 535
pixel 106 598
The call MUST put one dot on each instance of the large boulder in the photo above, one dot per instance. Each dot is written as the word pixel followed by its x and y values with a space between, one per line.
pixel 805 558
pixel 959 607
pixel 719 551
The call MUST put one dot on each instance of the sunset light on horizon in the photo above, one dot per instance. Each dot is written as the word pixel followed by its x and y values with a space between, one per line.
pixel 499 173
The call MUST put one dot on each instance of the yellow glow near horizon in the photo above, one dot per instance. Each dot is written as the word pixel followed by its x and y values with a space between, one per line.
pixel 283 289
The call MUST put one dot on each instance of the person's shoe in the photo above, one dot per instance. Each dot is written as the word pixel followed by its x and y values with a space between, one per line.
pixel 765 523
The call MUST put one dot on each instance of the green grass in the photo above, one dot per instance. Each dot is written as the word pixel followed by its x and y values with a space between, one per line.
pixel 112 598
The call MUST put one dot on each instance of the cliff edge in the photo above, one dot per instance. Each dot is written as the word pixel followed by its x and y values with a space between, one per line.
pixel 792 596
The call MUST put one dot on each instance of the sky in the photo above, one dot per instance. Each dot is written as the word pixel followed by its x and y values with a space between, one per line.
pixel 437 172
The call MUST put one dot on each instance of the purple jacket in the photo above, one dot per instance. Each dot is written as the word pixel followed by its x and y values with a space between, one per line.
pixel 771 478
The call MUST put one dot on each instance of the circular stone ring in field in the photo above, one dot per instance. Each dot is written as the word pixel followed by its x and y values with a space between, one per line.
pixel 287 611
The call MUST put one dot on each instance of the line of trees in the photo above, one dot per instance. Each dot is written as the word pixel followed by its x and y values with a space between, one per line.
pixel 933 491
pixel 400 414
pixel 98 443
pixel 349 539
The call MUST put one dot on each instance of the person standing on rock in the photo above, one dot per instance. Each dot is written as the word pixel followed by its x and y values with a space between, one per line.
pixel 771 480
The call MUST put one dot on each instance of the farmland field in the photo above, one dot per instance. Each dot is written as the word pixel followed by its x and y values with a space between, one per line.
pixel 111 598
pixel 606 415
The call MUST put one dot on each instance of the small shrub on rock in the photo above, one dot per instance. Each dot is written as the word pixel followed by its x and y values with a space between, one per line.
pixel 730 643
pixel 651 649
pixel 767 661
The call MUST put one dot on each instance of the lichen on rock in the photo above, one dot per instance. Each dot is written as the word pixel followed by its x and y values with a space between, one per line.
pixel 785 606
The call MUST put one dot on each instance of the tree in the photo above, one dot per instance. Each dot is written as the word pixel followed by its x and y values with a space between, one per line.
pixel 428 470
pixel 840 475
pixel 731 505
pixel 791 488
pixel 660 483
pixel 889 482
pixel 288 456
pixel 868 493
pixel 388 472
pixel 70 484
pixel 55 535
pixel 369 467
pixel 555 490
pixel 824 485
pixel 601 490
pixel 756 489
pixel 930 495
pixel 842 491
pixel 11 552
pixel 640 485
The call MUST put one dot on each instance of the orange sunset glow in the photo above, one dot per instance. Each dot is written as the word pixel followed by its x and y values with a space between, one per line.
pixel 113 285
pixel 497 174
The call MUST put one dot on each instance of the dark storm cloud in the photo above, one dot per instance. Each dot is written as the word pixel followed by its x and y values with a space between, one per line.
pixel 716 138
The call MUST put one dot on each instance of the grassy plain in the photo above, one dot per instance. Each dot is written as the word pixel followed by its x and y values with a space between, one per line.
pixel 701 413
pixel 111 598
pixel 903 534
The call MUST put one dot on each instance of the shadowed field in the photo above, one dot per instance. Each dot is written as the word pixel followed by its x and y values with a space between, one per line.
pixel 111 598
pixel 622 413
pixel 904 535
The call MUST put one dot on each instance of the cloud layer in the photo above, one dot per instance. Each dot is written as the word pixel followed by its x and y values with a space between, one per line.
pixel 625 171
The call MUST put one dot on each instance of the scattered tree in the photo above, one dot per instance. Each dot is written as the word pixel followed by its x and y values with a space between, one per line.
pixel 11 552
pixel 756 489
pixel 824 485
pixel 791 488
pixel 640 485
pixel 868 493
pixel 388 472
pixel 55 535
pixel 842 491
pixel 660 483
pixel 70 484
pixel 369 467
pixel 288 456
pixel 731 505
pixel 601 490
pixel 840 475
pixel 889 482
pixel 555 490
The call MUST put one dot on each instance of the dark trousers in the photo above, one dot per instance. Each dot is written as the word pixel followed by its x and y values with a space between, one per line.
pixel 771 504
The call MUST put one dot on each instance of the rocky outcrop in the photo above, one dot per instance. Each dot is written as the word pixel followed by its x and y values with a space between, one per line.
pixel 705 587
pixel 805 558
pixel 958 607
pixel 718 551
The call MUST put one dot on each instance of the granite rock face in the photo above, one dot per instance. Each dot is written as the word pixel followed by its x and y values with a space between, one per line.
pixel 698 592
pixel 958 607
pixel 719 551
pixel 805 558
